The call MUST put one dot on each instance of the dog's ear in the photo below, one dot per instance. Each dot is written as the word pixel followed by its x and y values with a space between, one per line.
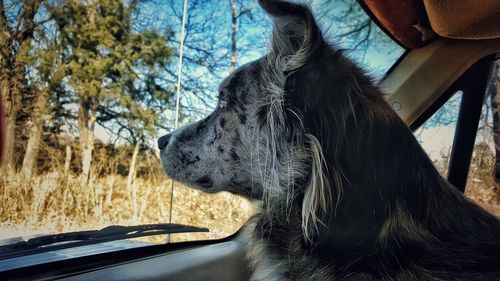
pixel 296 36
pixel 296 43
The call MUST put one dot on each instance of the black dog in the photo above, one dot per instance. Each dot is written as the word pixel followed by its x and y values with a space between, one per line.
pixel 347 192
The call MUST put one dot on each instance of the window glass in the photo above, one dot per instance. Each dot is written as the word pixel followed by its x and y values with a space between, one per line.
pixel 482 186
pixel 436 134
pixel 95 86
pixel 436 137
pixel 346 23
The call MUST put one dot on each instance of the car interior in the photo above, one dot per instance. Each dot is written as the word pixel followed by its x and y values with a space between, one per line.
pixel 455 54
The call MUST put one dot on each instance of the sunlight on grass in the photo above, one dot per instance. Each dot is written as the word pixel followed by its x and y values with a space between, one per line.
pixel 51 203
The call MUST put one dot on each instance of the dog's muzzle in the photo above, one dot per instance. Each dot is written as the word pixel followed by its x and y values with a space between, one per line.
pixel 163 141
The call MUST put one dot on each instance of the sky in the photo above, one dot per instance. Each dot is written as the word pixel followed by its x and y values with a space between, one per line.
pixel 376 57
pixel 436 136
pixel 254 30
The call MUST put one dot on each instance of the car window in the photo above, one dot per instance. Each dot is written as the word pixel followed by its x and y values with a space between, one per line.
pixel 436 134
pixel 436 137
pixel 353 30
pixel 95 86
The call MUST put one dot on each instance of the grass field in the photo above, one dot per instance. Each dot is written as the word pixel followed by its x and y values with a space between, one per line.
pixel 52 203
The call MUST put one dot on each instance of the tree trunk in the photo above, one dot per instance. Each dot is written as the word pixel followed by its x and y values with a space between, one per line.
pixel 5 87
pixel 86 122
pixel 11 104
pixel 14 48
pixel 133 161
pixel 130 180
pixel 67 160
pixel 109 195
pixel 38 118
pixel 11 79
pixel 234 33
pixel 495 109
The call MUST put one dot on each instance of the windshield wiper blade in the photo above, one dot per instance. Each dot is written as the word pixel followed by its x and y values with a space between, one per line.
pixel 54 242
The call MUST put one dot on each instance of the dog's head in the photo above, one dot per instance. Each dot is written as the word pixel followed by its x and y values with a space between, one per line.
pixel 256 142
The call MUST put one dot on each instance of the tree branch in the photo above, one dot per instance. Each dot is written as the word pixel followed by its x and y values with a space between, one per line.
pixel 5 32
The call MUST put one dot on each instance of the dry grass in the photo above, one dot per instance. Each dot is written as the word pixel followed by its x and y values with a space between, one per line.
pixel 486 193
pixel 52 203
pixel 481 186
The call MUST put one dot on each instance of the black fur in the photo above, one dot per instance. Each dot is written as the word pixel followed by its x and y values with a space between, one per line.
pixel 390 216
pixel 397 218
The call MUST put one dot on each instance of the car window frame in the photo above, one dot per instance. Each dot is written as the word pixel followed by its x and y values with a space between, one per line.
pixel 473 84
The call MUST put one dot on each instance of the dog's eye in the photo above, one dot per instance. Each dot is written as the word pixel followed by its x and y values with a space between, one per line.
pixel 222 104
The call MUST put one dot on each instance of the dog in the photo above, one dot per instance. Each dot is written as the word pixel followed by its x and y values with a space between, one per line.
pixel 347 193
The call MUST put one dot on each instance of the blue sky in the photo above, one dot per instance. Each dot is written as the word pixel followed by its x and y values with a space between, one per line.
pixel 210 23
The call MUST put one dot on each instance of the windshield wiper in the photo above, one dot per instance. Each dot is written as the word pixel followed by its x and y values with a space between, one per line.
pixel 81 238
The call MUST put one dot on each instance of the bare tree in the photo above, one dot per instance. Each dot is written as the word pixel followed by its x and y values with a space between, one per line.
pixel 352 28
pixel 17 24
pixel 236 13
pixel 39 116
pixel 48 65
pixel 495 102
pixel 208 47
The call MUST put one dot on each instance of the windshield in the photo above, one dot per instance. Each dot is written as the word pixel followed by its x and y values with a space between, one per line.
pixel 89 86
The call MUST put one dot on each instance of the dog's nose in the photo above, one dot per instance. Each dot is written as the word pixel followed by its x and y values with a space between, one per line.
pixel 163 141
